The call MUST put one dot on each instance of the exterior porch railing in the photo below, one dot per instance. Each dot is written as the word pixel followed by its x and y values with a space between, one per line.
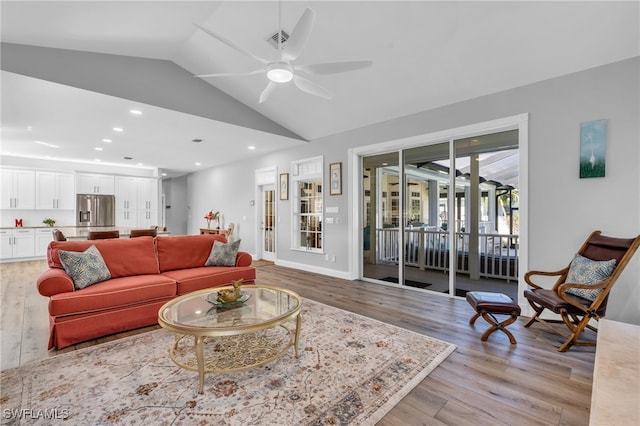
pixel 428 249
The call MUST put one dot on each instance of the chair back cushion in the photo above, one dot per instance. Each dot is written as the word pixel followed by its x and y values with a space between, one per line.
pixel 600 247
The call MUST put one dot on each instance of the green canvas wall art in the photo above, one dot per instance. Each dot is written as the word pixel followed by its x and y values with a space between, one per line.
pixel 593 137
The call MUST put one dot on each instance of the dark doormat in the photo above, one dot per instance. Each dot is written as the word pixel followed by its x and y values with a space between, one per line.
pixel 459 292
pixel 410 283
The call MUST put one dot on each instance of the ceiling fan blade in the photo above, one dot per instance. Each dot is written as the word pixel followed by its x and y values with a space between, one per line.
pixel 232 45
pixel 311 87
pixel 333 67
pixel 267 91
pixel 230 74
pixel 299 36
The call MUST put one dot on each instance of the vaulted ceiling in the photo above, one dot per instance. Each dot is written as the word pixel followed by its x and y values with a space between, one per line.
pixel 425 54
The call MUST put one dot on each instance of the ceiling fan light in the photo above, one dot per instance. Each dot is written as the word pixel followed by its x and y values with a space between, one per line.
pixel 279 75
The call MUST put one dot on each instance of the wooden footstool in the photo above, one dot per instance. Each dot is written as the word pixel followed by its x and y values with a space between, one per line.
pixel 488 305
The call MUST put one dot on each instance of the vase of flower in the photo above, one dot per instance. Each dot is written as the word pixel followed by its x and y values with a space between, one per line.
pixel 49 222
pixel 212 216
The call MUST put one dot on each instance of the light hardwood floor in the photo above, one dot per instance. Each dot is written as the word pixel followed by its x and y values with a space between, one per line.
pixel 481 383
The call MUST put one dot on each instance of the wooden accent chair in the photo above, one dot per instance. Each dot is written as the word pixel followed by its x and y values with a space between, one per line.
pixel 576 312
pixel 143 232
pixel 58 235
pixel 103 235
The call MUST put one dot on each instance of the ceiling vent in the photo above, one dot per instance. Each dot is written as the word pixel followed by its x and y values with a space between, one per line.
pixel 273 39
pixel 196 140
pixel 128 158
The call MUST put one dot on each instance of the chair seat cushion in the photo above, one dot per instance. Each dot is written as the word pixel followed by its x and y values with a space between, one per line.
pixel 552 301
pixel 495 303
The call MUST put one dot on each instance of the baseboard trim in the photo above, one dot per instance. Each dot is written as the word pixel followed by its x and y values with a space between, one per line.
pixel 345 275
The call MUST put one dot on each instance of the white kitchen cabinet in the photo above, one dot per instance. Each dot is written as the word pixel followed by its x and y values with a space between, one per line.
pixel 126 218
pixel 126 193
pixel 136 201
pixel 147 218
pixel 55 191
pixel 95 184
pixel 17 189
pixel 43 237
pixel 147 194
pixel 16 243
pixel 147 202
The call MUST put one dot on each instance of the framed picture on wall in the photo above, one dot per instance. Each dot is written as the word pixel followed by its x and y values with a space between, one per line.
pixel 335 178
pixel 593 138
pixel 284 186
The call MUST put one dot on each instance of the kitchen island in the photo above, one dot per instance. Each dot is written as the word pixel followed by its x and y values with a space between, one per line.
pixel 81 232
pixel 31 242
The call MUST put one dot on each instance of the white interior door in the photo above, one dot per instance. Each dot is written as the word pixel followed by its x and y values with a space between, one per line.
pixel 268 222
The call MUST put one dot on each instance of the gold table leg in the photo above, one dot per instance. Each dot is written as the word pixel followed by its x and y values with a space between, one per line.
pixel 298 326
pixel 200 359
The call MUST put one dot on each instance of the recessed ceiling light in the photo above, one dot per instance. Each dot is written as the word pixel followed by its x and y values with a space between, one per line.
pixel 107 140
pixel 118 129
pixel 50 145
pixel 135 112
pixel 97 160
pixel 140 164
pixel 251 147
pixel 97 148
pixel 164 174
pixel 197 164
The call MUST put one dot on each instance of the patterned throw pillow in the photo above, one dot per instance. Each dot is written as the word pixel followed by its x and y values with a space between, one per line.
pixel 85 268
pixel 223 254
pixel 587 271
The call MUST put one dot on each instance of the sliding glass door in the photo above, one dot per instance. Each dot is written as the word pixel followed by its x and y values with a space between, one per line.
pixel 443 207
pixel 426 218
pixel 381 217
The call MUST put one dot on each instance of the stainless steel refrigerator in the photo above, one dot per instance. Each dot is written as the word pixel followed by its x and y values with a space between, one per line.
pixel 95 210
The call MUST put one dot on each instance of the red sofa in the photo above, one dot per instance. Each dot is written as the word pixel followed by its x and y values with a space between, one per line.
pixel 146 272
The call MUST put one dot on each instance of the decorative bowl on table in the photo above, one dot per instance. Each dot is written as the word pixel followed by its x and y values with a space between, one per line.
pixel 213 299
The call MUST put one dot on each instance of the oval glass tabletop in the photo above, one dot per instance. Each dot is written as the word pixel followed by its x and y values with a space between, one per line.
pixel 263 305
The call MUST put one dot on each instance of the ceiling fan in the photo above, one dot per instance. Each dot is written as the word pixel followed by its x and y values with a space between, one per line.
pixel 283 70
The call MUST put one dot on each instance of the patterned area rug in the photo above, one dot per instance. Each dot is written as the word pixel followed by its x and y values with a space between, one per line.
pixel 351 370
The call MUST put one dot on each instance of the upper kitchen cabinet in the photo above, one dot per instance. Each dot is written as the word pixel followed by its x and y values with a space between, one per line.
pixel 95 184
pixel 17 190
pixel 55 191
pixel 126 193
pixel 147 194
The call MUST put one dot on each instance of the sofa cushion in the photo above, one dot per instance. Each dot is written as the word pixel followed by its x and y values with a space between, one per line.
pixel 116 292
pixel 123 257
pixel 185 251
pixel 84 268
pixel 193 279
pixel 223 254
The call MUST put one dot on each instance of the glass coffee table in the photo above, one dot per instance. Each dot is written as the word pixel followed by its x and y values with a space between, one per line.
pixel 235 336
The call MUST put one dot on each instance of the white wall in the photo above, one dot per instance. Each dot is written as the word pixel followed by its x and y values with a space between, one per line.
pixel 563 209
